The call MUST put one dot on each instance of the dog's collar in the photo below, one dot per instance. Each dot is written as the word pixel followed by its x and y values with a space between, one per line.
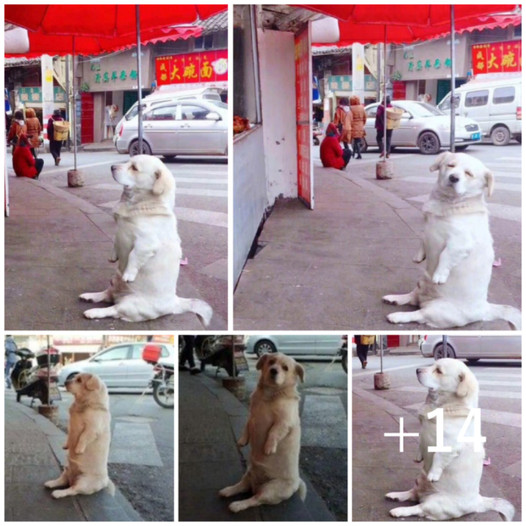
pixel 472 205
pixel 141 209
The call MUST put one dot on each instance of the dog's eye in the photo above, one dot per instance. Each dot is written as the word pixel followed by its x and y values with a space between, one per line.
pixel 78 380
pixel 285 368
pixel 272 362
pixel 469 174
pixel 438 371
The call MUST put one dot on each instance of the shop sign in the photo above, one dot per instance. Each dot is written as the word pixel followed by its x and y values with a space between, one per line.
pixel 33 95
pixel 112 76
pixel 344 83
pixel 428 64
pixel 497 57
pixel 190 68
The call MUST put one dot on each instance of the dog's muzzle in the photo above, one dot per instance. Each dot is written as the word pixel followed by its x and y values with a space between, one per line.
pixel 453 179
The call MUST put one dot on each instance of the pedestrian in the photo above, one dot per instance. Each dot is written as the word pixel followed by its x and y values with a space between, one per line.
pixel 17 128
pixel 34 129
pixel 379 125
pixel 24 163
pixel 331 153
pixel 343 121
pixel 358 125
pixel 187 355
pixel 362 348
pixel 10 358
pixel 54 146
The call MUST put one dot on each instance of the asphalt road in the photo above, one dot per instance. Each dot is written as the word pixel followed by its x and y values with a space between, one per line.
pixel 141 462
pixel 378 466
pixel 323 409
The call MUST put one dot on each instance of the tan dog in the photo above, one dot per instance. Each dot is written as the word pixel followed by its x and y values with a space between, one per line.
pixel 88 441
pixel 147 248
pixel 448 485
pixel 274 434
pixel 458 251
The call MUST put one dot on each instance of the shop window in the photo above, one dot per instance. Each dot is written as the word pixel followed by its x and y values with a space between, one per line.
pixel 477 98
pixel 504 95
pixel 246 79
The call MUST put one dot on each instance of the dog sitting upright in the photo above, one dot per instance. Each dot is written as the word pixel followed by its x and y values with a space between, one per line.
pixel 458 250
pixel 274 434
pixel 147 248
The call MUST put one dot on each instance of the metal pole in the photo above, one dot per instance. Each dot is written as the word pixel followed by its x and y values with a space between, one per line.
pixel 381 353
pixel 48 372
pixel 452 123
pixel 74 111
pixel 385 93
pixel 139 76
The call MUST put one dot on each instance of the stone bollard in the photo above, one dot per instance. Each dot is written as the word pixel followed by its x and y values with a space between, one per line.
pixel 49 411
pixel 236 385
pixel 75 178
pixel 382 381
pixel 384 170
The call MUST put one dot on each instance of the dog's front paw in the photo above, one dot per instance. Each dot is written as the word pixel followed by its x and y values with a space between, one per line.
pixel 270 447
pixel 129 276
pixel 237 506
pixel 434 475
pixel 440 276
pixel 65 446
pixel 59 493
pixel 242 442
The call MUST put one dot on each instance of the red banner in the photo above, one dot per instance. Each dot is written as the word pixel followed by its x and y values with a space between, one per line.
pixel 498 57
pixel 209 66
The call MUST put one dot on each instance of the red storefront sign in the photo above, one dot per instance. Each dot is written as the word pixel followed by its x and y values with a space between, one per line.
pixel 210 66
pixel 498 57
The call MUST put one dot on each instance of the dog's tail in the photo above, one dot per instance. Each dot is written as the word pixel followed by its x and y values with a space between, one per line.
pixel 504 312
pixel 201 308
pixel 111 488
pixel 504 508
pixel 302 490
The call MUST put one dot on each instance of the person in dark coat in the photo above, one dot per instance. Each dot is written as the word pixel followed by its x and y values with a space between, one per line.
pixel 54 146
pixel 379 125
pixel 24 163
pixel 331 153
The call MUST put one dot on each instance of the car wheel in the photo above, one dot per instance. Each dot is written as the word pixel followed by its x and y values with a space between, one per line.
pixel 439 352
pixel 264 347
pixel 428 143
pixel 134 148
pixel 500 136
pixel 519 139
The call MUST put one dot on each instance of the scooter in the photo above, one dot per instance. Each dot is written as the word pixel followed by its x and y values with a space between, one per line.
pixel 36 381
pixel 162 382
pixel 223 352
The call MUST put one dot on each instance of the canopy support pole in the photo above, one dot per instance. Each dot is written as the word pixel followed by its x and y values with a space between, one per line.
pixel 452 99
pixel 385 94
pixel 139 78
pixel 74 109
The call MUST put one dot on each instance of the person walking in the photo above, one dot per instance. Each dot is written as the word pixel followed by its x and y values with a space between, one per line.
pixel 24 163
pixel 33 130
pixel 331 153
pixel 379 125
pixel 54 146
pixel 187 355
pixel 10 358
pixel 343 121
pixel 362 347
pixel 17 128
pixel 358 125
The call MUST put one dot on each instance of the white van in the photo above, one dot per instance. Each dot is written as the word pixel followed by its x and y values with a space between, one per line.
pixel 495 102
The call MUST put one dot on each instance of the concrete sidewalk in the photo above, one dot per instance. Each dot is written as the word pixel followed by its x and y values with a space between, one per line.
pixel 379 467
pixel 33 455
pixel 57 247
pixel 210 421
pixel 327 269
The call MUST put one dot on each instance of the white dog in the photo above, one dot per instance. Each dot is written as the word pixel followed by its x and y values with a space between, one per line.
pixel 274 433
pixel 147 248
pixel 88 441
pixel 448 485
pixel 458 249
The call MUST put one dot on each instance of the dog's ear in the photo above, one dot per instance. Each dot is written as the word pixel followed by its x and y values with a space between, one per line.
pixel 438 161
pixel 92 384
pixel 467 384
pixel 300 371
pixel 161 182
pixel 490 181
pixel 261 362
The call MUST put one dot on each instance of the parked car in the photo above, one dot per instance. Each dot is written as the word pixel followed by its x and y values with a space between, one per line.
pixel 120 365
pixel 178 127
pixel 295 344
pixel 495 102
pixel 472 348
pixel 423 126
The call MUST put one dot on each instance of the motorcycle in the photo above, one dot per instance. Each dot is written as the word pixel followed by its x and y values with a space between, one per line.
pixel 342 351
pixel 36 381
pixel 217 351
pixel 162 382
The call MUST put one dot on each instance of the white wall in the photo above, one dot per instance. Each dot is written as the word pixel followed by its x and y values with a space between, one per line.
pixel 278 101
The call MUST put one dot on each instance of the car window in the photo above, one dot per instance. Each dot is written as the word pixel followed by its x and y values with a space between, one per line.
pixel 132 112
pixel 477 98
pixel 115 353
pixel 504 95
pixel 165 353
pixel 164 113
pixel 219 104
pixel 446 103
pixel 193 112
pixel 136 352
pixel 422 109
pixel 371 112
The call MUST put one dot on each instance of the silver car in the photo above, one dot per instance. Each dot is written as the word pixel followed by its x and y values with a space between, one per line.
pixel 472 348
pixel 425 127
pixel 119 366
pixel 182 127
pixel 296 345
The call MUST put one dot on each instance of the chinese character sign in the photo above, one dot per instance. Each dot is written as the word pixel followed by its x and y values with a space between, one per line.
pixel 498 57
pixel 210 66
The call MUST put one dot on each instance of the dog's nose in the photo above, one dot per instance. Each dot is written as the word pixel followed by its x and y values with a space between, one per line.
pixel 453 178
pixel 419 371
pixel 273 372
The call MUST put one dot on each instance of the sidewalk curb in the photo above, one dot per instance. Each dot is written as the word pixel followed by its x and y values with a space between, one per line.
pixel 98 507
pixel 313 509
